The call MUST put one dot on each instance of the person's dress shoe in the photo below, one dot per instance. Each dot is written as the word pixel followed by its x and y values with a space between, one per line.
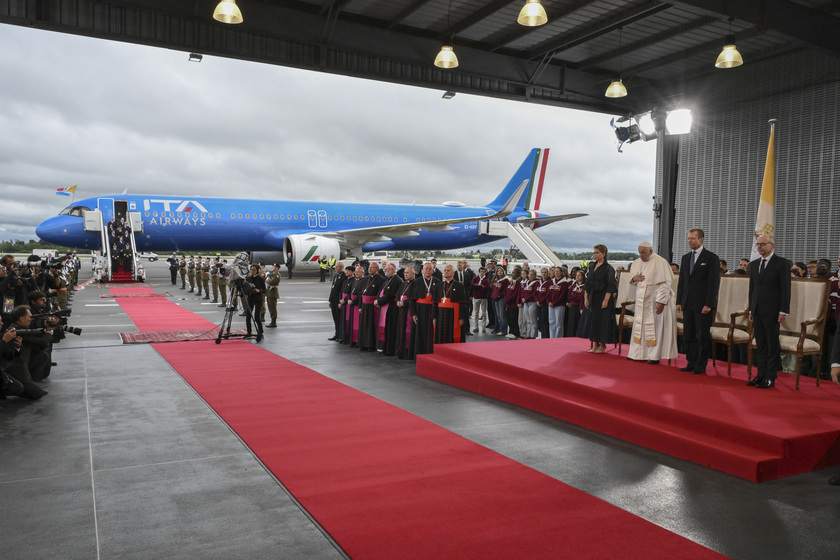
pixel 687 368
pixel 653 362
pixel 699 372
pixel 754 381
pixel 333 338
pixel 599 350
pixel 206 297
pixel 215 301
pixel 766 384
pixel 271 325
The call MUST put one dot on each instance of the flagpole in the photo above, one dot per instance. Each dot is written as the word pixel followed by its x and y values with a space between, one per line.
pixel 765 221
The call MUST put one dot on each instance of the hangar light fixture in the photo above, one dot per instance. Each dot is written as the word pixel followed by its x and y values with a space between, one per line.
pixel 729 57
pixel 616 87
pixel 532 14
pixel 446 57
pixel 678 121
pixel 651 125
pixel 227 12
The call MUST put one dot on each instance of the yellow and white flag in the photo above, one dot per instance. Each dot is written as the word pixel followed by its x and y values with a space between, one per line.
pixel 765 222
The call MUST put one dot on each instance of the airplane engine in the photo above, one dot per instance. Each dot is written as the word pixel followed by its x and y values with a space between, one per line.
pixel 307 249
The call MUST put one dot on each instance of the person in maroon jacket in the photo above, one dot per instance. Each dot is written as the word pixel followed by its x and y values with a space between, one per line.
pixel 528 303
pixel 497 300
pixel 512 303
pixel 480 290
pixel 541 298
pixel 558 291
pixel 574 303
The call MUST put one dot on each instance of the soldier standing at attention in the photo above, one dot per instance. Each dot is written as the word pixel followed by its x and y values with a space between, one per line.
pixel 272 294
pixel 182 267
pixel 214 280
pixel 205 277
pixel 191 274
pixel 223 283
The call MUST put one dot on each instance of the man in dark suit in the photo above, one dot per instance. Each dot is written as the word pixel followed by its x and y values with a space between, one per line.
pixel 697 293
pixel 335 296
pixel 769 305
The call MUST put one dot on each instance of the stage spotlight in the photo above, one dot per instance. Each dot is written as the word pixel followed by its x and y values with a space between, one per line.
pixel 647 125
pixel 625 134
pixel 678 121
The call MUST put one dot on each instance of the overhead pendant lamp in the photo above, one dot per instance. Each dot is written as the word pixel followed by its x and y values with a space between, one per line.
pixel 227 12
pixel 729 57
pixel 446 57
pixel 532 14
pixel 616 87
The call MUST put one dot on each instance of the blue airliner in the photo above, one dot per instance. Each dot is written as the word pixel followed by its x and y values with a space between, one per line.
pixel 271 229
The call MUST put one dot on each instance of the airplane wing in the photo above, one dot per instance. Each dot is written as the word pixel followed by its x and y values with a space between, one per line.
pixel 548 219
pixel 353 238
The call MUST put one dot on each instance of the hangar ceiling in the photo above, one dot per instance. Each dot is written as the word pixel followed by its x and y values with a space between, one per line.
pixel 659 48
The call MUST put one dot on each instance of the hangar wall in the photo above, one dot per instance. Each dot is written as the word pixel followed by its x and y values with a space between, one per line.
pixel 721 162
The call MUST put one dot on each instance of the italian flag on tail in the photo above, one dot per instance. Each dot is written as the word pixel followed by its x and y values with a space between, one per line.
pixel 766 220
pixel 535 189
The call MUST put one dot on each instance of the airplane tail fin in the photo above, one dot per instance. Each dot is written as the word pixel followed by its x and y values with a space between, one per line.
pixel 531 170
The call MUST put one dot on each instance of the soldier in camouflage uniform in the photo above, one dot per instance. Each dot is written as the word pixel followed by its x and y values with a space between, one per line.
pixel 272 293
pixel 191 274
pixel 205 277
pixel 182 269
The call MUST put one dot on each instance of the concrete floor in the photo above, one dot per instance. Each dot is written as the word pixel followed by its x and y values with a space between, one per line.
pixel 123 460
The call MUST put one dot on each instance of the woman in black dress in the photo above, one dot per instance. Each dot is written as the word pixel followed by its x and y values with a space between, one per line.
pixel 599 289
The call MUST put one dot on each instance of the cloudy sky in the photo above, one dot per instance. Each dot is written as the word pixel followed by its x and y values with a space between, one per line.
pixel 111 117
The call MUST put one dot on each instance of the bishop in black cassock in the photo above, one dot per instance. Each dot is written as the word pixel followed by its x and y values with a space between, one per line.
pixel 423 310
pixel 371 285
pixel 388 312
pixel 452 309
pixel 404 326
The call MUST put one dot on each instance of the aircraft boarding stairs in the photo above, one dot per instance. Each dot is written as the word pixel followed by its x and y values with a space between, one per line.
pixel 106 269
pixel 525 238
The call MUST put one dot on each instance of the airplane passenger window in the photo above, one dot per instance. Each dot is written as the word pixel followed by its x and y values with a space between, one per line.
pixel 147 214
pixel 262 216
pixel 288 216
pixel 405 219
pixel 275 216
pixel 232 216
pixel 240 216
pixel 154 214
pixel 247 216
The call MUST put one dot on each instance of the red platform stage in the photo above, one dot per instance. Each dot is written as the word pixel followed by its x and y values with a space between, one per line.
pixel 711 419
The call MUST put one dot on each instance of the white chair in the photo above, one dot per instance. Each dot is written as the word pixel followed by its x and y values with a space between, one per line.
pixel 625 300
pixel 732 317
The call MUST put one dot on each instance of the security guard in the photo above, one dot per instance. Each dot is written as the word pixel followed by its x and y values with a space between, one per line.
pixel 182 269
pixel 272 293
pixel 332 267
pixel 223 283
pixel 205 277
pixel 191 274
pixel 214 280
pixel 323 263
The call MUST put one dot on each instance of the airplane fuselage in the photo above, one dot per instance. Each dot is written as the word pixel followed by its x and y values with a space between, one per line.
pixel 201 223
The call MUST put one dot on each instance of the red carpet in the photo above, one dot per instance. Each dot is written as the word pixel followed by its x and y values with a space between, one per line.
pixel 387 484
pixel 713 420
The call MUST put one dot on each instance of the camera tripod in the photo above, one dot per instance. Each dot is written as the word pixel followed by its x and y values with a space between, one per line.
pixel 237 293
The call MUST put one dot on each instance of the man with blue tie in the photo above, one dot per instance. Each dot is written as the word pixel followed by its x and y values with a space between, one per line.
pixel 769 305
pixel 697 292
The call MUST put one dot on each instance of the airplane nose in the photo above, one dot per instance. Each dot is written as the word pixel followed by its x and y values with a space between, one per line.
pixel 52 229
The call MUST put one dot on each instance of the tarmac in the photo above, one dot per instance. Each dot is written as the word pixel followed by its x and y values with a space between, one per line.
pixel 123 460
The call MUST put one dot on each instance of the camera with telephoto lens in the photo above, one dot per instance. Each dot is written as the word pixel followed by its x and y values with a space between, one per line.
pixel 59 319
pixel 29 332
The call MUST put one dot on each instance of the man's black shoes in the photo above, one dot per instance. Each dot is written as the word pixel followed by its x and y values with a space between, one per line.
pixel 766 384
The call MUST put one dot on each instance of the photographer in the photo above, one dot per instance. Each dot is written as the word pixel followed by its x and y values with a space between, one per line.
pixel 42 318
pixel 13 285
pixel 9 344
pixel 30 354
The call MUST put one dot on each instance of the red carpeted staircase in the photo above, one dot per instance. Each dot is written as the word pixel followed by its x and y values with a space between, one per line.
pixel 711 419
pixel 122 275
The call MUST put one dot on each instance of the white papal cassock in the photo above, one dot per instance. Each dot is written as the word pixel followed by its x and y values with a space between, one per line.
pixel 654 336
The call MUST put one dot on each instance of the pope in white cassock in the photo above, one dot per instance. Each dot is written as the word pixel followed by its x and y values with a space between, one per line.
pixel 654 334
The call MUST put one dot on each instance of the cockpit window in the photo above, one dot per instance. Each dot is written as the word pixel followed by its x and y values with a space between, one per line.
pixel 77 211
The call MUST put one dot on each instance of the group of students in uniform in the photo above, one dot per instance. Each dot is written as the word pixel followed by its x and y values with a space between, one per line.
pixel 404 313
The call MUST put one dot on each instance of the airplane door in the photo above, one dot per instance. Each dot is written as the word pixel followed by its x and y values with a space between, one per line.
pixel 106 206
pixel 322 219
pixel 312 218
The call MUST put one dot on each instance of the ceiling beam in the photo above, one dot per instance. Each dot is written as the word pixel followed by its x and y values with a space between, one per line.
pixel 609 23
pixel 644 43
pixel 398 19
pixel 475 17
pixel 811 26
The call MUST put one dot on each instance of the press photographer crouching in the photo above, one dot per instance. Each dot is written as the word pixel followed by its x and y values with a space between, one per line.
pixel 29 360
pixel 45 314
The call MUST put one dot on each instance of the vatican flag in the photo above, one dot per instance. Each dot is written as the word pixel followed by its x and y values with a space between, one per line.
pixel 766 220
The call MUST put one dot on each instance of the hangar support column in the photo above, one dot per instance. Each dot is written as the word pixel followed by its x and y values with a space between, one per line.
pixel 667 165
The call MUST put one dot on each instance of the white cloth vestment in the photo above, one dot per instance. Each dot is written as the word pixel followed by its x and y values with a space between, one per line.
pixel 654 337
